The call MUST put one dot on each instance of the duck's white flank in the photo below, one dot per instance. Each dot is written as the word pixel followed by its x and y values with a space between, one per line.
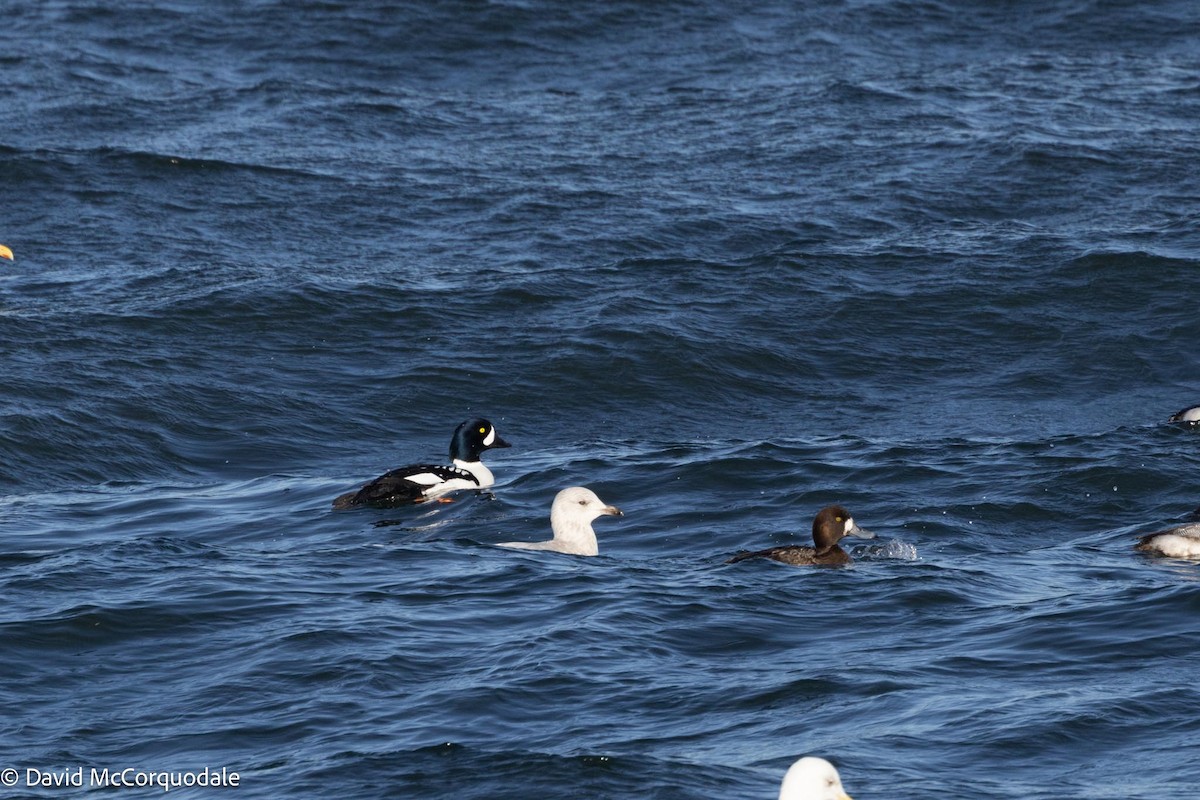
pixel 1181 542
pixel 478 469
pixel 1187 415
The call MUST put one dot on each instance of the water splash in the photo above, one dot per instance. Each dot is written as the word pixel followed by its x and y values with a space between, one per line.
pixel 893 549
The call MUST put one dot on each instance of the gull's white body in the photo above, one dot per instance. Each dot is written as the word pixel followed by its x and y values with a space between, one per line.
pixel 571 520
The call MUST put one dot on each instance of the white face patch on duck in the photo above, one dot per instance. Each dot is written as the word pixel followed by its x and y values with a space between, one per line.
pixel 848 527
pixel 491 437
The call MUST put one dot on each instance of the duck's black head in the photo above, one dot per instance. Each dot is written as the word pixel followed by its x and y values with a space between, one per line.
pixel 832 524
pixel 473 437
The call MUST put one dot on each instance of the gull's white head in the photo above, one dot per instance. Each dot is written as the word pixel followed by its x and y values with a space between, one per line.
pixel 578 506
pixel 812 778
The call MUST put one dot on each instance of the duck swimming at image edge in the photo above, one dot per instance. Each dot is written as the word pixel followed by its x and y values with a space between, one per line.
pixel 421 482
pixel 6 253
pixel 1179 542
pixel 1190 415
pixel 812 778
pixel 571 518
pixel 830 526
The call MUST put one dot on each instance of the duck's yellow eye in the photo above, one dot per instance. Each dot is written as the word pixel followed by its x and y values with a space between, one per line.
pixel 837 519
pixel 483 430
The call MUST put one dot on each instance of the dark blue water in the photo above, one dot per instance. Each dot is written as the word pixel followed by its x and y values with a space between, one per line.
pixel 723 263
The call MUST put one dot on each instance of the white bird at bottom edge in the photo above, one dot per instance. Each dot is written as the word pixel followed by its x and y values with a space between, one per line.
pixel 812 778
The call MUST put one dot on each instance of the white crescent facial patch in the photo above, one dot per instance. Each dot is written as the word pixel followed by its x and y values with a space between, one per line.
pixel 491 437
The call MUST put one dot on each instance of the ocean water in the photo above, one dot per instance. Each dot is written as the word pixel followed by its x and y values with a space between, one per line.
pixel 722 262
